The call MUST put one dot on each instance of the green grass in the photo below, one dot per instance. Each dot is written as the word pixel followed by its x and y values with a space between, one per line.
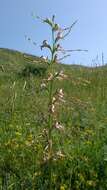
pixel 23 118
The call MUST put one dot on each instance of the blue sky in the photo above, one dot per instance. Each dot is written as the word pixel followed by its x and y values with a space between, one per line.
pixel 89 33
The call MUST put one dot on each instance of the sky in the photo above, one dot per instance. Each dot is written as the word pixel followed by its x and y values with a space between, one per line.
pixel 89 33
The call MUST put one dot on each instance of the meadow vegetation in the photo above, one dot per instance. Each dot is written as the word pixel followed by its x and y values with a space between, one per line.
pixel 66 148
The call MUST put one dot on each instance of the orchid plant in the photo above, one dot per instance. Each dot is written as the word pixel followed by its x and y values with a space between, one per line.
pixel 54 97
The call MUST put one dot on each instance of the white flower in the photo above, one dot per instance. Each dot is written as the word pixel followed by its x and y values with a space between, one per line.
pixel 59 47
pixel 61 76
pixel 56 73
pixel 50 77
pixel 53 108
pixel 53 100
pixel 45 42
pixel 45 45
pixel 60 154
pixel 43 57
pixel 59 35
pixel 43 85
pixel 59 126
pixel 60 93
pixel 55 58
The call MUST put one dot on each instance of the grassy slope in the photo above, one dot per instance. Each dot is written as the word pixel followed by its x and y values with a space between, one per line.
pixel 23 106
pixel 22 99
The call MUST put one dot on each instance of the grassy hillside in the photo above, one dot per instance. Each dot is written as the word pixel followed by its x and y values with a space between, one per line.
pixel 23 118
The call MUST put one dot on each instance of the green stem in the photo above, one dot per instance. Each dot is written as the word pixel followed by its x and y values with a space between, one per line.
pixel 50 134
pixel 50 97
pixel 50 117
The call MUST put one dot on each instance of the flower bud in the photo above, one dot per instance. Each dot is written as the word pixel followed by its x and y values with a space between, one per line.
pixel 56 27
